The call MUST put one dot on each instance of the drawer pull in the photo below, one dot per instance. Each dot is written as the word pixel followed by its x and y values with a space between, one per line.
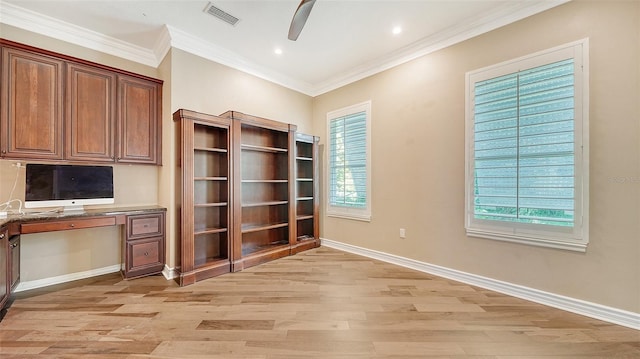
pixel 72 225
pixel 2 236
pixel 146 254
pixel 13 245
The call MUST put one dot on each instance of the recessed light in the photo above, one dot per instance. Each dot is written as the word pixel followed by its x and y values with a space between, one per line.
pixel 396 30
pixel 278 51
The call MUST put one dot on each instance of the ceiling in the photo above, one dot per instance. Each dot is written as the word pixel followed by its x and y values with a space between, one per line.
pixel 342 41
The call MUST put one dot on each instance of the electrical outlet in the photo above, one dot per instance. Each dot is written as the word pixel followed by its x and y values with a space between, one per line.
pixel 403 233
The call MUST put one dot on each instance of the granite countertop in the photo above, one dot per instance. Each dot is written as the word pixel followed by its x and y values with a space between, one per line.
pixel 93 212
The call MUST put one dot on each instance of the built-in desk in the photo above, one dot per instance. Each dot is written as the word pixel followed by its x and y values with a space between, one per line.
pixel 142 246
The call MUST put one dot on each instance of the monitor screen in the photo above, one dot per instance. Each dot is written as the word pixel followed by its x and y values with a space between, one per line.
pixel 67 185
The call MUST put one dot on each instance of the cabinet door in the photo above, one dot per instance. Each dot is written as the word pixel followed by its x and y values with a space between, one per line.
pixel 4 266
pixel 90 116
pixel 14 262
pixel 139 121
pixel 32 103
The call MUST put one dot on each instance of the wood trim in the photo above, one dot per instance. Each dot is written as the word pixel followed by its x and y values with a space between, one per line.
pixel 236 143
pixel 67 224
pixel 200 117
pixel 293 203
pixel 316 190
pixel 256 121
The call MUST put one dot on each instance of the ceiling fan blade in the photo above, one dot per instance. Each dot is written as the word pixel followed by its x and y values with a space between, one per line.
pixel 300 18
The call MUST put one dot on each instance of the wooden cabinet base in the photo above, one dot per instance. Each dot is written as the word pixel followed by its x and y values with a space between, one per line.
pixel 212 270
pixel 305 245
pixel 144 245
pixel 261 257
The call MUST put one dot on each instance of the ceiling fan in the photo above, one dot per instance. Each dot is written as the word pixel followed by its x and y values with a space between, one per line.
pixel 300 18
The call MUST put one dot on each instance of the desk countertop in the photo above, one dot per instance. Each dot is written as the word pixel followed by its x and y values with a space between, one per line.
pixel 94 212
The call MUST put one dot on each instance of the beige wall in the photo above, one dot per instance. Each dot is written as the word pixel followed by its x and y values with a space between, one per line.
pixel 54 254
pixel 418 157
pixel 61 253
pixel 205 86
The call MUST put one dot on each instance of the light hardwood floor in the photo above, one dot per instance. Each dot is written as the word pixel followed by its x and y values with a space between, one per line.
pixel 321 303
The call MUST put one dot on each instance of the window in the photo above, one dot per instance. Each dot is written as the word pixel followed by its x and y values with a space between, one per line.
pixel 527 149
pixel 349 192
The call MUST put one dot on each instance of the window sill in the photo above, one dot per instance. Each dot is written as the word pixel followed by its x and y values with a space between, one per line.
pixel 528 240
pixel 355 217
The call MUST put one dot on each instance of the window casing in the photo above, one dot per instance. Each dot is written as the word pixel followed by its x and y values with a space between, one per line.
pixel 349 162
pixel 527 149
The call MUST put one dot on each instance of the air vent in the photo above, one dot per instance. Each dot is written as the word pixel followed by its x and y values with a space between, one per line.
pixel 221 14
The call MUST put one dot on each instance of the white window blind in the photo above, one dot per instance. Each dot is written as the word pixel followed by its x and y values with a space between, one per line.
pixel 527 143
pixel 348 165
pixel 524 146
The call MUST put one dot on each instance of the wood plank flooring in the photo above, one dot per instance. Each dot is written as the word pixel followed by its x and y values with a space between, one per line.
pixel 321 303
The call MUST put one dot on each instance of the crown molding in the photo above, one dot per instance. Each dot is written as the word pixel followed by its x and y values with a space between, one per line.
pixel 48 26
pixel 162 45
pixel 197 46
pixel 509 13
pixel 171 37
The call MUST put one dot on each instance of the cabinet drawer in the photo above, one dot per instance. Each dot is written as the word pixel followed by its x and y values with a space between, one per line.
pixel 148 225
pixel 144 257
pixel 145 253
pixel 63 225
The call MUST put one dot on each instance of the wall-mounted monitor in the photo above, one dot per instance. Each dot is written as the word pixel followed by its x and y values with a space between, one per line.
pixel 68 186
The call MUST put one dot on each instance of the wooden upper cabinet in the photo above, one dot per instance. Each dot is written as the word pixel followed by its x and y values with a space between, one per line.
pixel 139 124
pixel 60 108
pixel 32 105
pixel 91 114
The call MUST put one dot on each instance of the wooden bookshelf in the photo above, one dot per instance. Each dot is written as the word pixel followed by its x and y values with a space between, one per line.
pixel 307 233
pixel 263 189
pixel 249 192
pixel 205 196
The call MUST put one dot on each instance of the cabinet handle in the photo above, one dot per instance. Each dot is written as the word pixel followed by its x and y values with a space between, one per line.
pixel 13 245
pixel 72 225
pixel 146 254
pixel 2 236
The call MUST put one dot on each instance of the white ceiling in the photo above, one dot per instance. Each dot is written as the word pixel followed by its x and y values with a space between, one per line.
pixel 342 41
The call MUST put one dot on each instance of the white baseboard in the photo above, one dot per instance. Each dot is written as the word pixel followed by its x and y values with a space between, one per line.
pixel 593 310
pixel 169 273
pixel 39 283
